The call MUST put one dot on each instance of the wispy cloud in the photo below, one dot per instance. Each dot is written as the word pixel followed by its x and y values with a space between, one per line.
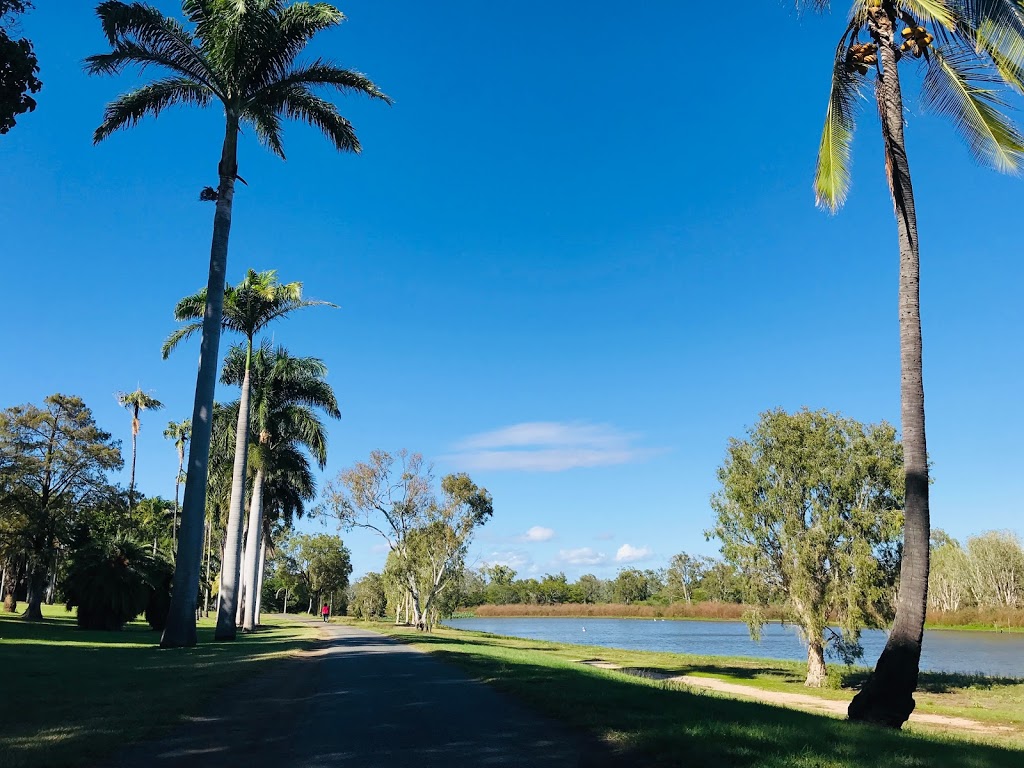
pixel 538 533
pixel 582 556
pixel 629 554
pixel 605 536
pixel 547 446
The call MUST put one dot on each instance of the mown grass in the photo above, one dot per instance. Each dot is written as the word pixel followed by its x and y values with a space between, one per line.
pixel 662 724
pixel 68 697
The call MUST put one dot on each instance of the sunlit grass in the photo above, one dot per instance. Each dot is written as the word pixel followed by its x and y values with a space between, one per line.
pixel 666 724
pixel 71 696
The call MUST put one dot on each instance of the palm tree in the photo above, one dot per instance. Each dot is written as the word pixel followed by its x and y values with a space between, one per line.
pixel 970 48
pixel 136 402
pixel 242 55
pixel 286 391
pixel 180 432
pixel 248 308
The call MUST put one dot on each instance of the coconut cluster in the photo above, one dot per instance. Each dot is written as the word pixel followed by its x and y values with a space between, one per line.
pixel 860 56
pixel 916 41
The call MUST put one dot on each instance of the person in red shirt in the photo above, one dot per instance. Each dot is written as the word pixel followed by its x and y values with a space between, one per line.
pixel 326 612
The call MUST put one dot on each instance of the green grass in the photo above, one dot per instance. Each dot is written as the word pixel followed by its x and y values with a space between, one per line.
pixel 662 724
pixel 69 697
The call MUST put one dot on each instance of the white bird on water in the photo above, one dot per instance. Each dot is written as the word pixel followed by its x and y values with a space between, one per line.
pixel 584 629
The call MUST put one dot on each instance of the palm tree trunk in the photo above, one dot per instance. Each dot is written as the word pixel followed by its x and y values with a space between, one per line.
pixel 131 482
pixel 174 521
pixel 887 698
pixel 181 620
pixel 230 605
pixel 259 581
pixel 252 552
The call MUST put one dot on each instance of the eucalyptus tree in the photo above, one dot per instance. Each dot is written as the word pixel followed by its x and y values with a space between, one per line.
pixel 286 393
pixel 180 432
pixel 19 67
pixel 247 309
pixel 243 56
pixel 136 402
pixel 971 50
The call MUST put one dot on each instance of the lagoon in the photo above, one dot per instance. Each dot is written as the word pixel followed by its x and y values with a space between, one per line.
pixel 989 653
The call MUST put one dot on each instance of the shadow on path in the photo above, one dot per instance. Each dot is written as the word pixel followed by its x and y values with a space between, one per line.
pixel 361 699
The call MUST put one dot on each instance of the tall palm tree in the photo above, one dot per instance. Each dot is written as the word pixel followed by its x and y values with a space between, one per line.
pixel 180 432
pixel 248 308
pixel 969 48
pixel 286 391
pixel 242 54
pixel 136 402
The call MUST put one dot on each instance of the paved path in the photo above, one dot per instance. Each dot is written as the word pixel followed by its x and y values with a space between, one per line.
pixel 361 699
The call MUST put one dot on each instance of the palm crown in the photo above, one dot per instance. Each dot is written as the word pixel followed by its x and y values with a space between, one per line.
pixel 136 402
pixel 212 60
pixel 248 307
pixel 971 50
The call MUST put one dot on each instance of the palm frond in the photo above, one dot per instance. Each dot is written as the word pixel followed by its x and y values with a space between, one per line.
pixel 298 103
pixel 832 177
pixel 191 307
pixel 322 73
pixel 152 99
pixel 267 124
pixel 941 12
pixel 1004 46
pixel 957 87
pixel 178 336
pixel 296 25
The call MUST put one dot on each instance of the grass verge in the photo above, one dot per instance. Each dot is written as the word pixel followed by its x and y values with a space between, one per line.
pixel 663 724
pixel 69 697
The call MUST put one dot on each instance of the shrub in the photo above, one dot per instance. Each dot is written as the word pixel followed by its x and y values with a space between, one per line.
pixel 110 582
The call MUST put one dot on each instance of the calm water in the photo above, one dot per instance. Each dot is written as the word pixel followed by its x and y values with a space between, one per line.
pixel 990 653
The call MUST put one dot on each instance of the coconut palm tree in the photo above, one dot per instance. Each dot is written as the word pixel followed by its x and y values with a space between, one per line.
pixel 136 402
pixel 242 55
pixel 248 308
pixel 180 432
pixel 970 49
pixel 285 392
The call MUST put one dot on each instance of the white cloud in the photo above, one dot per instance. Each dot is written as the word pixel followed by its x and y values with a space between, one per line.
pixel 547 446
pixel 513 558
pixel 538 533
pixel 629 554
pixel 582 556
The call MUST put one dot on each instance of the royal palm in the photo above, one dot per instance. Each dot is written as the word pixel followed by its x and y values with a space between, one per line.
pixel 241 55
pixel 969 48
pixel 248 308
pixel 136 402
pixel 180 432
pixel 285 392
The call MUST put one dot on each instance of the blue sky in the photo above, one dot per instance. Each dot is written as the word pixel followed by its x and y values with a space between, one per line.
pixel 577 255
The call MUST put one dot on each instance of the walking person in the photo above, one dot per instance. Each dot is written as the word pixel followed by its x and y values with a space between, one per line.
pixel 326 612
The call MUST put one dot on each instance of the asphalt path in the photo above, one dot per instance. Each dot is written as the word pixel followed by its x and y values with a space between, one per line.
pixel 362 699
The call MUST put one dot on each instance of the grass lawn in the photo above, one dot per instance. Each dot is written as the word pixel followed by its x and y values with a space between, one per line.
pixel 69 697
pixel 668 725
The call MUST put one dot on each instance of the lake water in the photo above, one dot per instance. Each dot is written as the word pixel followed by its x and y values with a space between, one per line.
pixel 990 653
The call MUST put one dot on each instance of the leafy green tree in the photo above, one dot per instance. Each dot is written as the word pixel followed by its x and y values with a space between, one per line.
pixel 243 56
pixel 180 432
pixel 995 561
pixel 684 572
pixel 286 393
pixel 369 600
pixel 949 579
pixel 135 403
pixel 248 308
pixel 591 588
pixel 810 512
pixel 554 589
pixel 631 585
pixel 427 535
pixel 970 49
pixel 56 461
pixel 19 67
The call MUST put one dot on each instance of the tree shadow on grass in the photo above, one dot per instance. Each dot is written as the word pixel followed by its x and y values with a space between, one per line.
pixel 70 695
pixel 657 724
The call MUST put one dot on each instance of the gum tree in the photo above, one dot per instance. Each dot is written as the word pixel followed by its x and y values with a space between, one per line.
pixel 243 57
pixel 971 50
